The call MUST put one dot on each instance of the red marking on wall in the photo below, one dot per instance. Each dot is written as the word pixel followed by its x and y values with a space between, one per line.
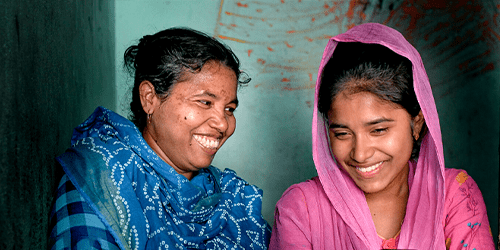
pixel 329 10
pixel 441 26
pixel 350 12
pixel 259 10
pixel 491 31
pixel 310 86
pixel 309 39
pixel 228 13
pixel 350 26
pixel 288 45
pixel 313 19
pixel 284 79
pixel 256 86
pixel 242 5
pixel 326 6
pixel 362 15
pixel 233 25
pixel 412 11
pixel 465 65
pixel 261 61
pixel 435 4
pixel 488 67
pixel 282 1
pixel 250 52
pixel 270 49
pixel 221 24
pixel 391 15
pixel 291 31
pixel 310 77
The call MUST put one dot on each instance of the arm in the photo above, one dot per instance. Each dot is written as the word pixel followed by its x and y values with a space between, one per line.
pixel 74 225
pixel 466 221
pixel 291 228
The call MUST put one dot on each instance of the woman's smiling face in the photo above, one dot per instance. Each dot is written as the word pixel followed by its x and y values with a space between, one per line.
pixel 372 139
pixel 188 127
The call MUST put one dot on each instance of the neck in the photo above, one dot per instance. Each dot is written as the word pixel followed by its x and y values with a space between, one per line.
pixel 397 188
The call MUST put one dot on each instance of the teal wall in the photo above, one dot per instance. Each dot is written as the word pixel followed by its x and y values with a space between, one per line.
pixel 57 65
pixel 280 44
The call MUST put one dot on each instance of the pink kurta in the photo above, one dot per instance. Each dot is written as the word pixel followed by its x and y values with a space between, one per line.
pixel 445 208
pixel 305 218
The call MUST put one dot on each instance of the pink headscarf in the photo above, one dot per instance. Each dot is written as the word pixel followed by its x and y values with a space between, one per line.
pixel 422 227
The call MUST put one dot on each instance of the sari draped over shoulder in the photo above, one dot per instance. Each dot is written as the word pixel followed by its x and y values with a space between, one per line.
pixel 146 204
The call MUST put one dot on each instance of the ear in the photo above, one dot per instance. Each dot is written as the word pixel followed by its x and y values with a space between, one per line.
pixel 418 122
pixel 149 99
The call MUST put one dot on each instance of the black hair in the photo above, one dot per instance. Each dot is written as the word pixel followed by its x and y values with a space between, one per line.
pixel 373 68
pixel 164 57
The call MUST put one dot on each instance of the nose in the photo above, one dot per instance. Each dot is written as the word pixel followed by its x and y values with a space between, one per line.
pixel 361 150
pixel 219 121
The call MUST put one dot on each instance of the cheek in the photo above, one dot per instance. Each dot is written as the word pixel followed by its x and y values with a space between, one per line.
pixel 401 143
pixel 231 122
pixel 339 148
pixel 191 116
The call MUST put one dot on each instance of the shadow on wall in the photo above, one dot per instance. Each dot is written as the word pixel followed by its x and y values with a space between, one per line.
pixel 58 66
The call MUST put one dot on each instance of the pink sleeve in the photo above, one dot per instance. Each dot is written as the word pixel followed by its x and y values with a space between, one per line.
pixel 466 221
pixel 291 228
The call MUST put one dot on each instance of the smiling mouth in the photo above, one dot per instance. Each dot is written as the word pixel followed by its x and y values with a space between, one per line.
pixel 369 169
pixel 207 142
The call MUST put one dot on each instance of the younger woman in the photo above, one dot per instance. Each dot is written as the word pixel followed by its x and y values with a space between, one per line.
pixel 378 151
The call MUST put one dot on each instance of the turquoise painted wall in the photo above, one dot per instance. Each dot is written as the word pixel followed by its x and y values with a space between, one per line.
pixel 280 44
pixel 57 65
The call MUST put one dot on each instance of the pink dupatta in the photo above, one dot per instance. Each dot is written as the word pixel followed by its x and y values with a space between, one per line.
pixel 422 227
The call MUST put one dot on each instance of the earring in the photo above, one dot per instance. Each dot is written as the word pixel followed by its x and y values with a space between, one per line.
pixel 149 118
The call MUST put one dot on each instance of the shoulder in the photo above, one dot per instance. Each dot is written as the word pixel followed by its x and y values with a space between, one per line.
pixel 459 187
pixel 74 223
pixel 301 195
pixel 465 221
pixel 458 181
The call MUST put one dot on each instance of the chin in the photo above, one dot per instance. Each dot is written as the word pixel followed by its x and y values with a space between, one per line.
pixel 371 188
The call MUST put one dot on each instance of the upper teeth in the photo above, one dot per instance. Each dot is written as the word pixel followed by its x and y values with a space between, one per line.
pixel 207 142
pixel 368 169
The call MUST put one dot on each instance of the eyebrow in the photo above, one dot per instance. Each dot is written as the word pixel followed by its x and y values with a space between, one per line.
pixel 206 93
pixel 367 124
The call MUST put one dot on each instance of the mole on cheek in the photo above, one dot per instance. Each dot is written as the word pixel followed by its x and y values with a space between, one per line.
pixel 185 118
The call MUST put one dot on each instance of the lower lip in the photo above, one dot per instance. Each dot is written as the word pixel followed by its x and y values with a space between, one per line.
pixel 370 174
pixel 210 151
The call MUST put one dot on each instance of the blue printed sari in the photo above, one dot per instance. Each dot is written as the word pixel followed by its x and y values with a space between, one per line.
pixel 144 203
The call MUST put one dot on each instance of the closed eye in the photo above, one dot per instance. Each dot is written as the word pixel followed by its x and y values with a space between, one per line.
pixel 379 131
pixel 340 135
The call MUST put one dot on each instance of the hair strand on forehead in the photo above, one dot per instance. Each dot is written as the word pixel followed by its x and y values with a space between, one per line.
pixel 373 68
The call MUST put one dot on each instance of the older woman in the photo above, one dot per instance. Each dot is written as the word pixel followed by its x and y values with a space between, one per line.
pixel 148 184
pixel 377 147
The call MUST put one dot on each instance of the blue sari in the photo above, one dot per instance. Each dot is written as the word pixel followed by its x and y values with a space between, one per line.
pixel 144 203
